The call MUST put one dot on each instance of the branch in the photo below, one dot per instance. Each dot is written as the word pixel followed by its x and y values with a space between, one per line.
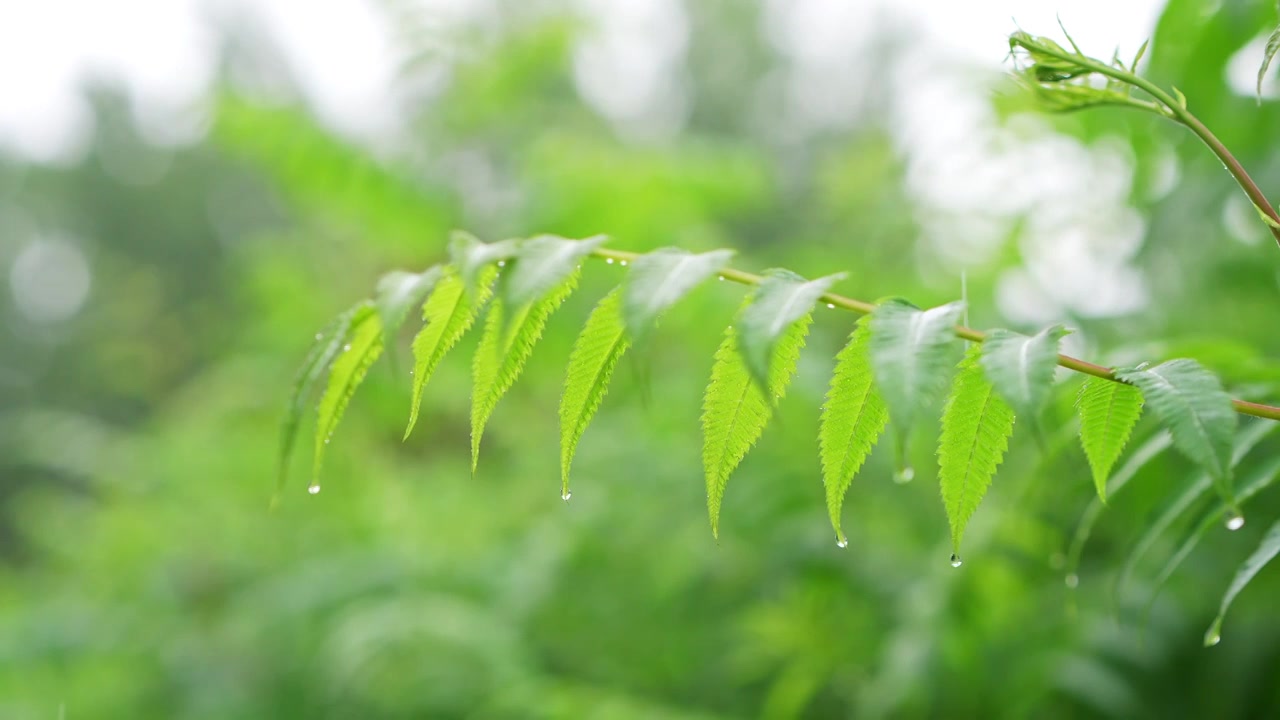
pixel 861 307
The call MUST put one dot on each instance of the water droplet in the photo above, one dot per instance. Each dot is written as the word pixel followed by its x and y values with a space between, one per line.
pixel 566 495
pixel 609 260
pixel 721 278
pixel 502 263
pixel 622 262
pixel 314 488
pixel 326 440
pixel 905 475
pixel 346 347
pixel 1235 521
pixel 955 560
pixel 1072 580
pixel 319 336
pixel 831 305
pixel 842 543
pixel 1212 640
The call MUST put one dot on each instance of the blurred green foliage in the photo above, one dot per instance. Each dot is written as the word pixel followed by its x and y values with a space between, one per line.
pixel 143 576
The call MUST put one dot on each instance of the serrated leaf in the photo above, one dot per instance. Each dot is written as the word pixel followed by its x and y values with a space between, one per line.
pixel 911 358
pixel 853 417
pixel 976 425
pixel 735 411
pixel 781 299
pixel 595 355
pixel 504 348
pixel 397 291
pixel 1189 400
pixel 1266 552
pixel 362 347
pixel 448 312
pixel 541 264
pixel 1195 490
pixel 660 279
pixel 327 346
pixel 1021 368
pixel 1108 412
pixel 1269 54
pixel 469 256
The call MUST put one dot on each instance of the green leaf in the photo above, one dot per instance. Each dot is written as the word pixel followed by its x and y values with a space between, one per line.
pixel 1273 47
pixel 327 346
pixel 1021 368
pixel 1266 552
pixel 853 417
pixel 398 291
pixel 362 347
pixel 469 256
pixel 449 312
pixel 1192 494
pixel 1260 480
pixel 504 348
pixel 1190 402
pixel 660 279
pixel 735 411
pixel 542 264
pixel 595 355
pixel 976 425
pixel 911 358
pixel 1108 411
pixel 781 299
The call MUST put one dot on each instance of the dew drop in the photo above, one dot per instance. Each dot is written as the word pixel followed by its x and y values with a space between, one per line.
pixel 1212 640
pixel 502 263
pixel 609 260
pixel 313 488
pixel 1235 521
pixel 566 495
pixel 346 347
pixel 326 440
pixel 622 262
pixel 955 560
pixel 905 475
pixel 842 543
pixel 1072 580
pixel 721 278
pixel 319 336
pixel 831 305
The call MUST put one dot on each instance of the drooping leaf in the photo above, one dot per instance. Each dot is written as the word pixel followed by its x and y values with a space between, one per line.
pixel 1198 487
pixel 541 264
pixel 469 256
pixel 504 348
pixel 660 279
pixel 449 312
pixel 1261 479
pixel 362 347
pixel 976 425
pixel 1108 411
pixel 1189 400
pixel 595 355
pixel 735 411
pixel 327 346
pixel 781 299
pixel 853 417
pixel 1269 54
pixel 1021 368
pixel 1266 552
pixel 398 291
pixel 1146 452
pixel 911 358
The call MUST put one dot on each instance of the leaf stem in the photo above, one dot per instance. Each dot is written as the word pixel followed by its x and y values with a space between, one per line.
pixel 1085 367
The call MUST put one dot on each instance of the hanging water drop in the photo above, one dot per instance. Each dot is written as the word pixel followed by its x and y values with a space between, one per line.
pixel 313 488
pixel 955 560
pixel 566 495
pixel 905 475
pixel 842 543
pixel 1212 640
pixel 1235 521
pixel 831 305
pixel 1073 581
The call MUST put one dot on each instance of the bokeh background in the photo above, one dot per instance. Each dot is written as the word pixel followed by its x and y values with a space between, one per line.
pixel 189 190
